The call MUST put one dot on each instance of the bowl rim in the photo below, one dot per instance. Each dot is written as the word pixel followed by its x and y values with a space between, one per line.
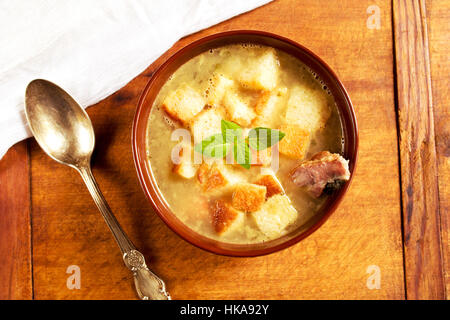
pixel 155 196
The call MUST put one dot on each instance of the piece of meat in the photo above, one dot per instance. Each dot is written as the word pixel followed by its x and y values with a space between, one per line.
pixel 323 168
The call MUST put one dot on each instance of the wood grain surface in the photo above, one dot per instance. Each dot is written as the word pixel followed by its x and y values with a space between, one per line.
pixel 363 237
pixel 438 17
pixel 421 215
pixel 15 228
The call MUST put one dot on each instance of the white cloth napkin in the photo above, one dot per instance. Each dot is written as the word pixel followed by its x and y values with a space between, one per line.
pixel 91 48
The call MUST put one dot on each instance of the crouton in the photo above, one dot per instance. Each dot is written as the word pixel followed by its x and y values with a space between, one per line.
pixel 233 175
pixel 281 91
pixel 224 217
pixel 276 214
pixel 268 109
pixel 248 197
pixel 185 168
pixel 237 110
pixel 261 157
pixel 267 100
pixel 230 64
pixel 210 176
pixel 262 101
pixel 272 184
pixel 308 108
pixel 206 124
pixel 263 73
pixel 295 143
pixel 183 104
pixel 219 84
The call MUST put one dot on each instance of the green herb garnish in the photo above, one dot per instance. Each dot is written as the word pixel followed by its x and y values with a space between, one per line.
pixel 213 147
pixel 231 137
pixel 262 138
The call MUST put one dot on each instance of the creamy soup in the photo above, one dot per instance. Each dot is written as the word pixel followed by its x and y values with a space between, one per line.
pixel 250 86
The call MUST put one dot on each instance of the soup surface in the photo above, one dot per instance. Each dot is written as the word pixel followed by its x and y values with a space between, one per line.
pixel 250 86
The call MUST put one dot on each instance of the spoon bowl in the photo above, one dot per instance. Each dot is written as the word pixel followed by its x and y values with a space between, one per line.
pixel 60 125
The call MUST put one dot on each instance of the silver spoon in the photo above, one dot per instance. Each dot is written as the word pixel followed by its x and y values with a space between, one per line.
pixel 64 131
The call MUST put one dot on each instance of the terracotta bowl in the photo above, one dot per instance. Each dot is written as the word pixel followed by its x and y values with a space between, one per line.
pixel 147 179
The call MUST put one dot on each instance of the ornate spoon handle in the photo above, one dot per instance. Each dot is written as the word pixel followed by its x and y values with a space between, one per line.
pixel 148 285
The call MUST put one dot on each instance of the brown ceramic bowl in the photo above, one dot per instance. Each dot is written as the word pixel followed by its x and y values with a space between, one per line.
pixel 147 179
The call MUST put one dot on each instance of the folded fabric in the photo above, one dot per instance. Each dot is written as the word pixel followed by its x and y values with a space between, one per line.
pixel 90 48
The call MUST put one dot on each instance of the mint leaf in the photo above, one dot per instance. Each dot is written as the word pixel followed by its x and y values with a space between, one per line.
pixel 262 138
pixel 224 124
pixel 214 146
pixel 242 154
pixel 231 131
pixel 219 145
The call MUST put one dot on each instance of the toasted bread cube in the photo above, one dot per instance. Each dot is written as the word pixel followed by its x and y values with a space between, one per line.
pixel 295 143
pixel 269 109
pixel 185 168
pixel 308 108
pixel 262 101
pixel 183 104
pixel 261 157
pixel 248 197
pixel 276 214
pixel 281 91
pixel 206 124
pixel 233 174
pixel 210 176
pixel 224 217
pixel 263 74
pixel 231 64
pixel 271 182
pixel 217 89
pixel 237 110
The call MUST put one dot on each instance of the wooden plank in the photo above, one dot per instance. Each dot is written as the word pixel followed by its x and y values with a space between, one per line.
pixel 331 264
pixel 421 218
pixel 438 16
pixel 15 229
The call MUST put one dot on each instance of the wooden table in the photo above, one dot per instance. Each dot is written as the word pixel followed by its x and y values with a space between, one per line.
pixel 393 225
